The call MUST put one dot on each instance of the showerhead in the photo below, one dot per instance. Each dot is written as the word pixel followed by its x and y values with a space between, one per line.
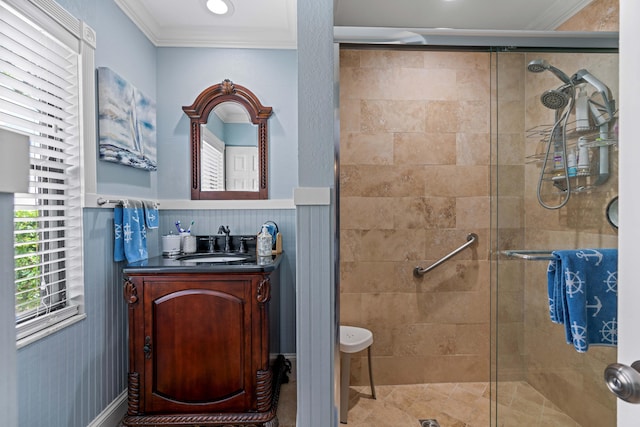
pixel 554 99
pixel 540 65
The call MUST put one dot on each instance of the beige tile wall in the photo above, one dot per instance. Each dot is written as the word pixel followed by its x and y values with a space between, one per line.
pixel 412 189
pixel 415 179
pixel 528 345
pixel 599 15
pixel 508 187
pixel 414 172
pixel 571 380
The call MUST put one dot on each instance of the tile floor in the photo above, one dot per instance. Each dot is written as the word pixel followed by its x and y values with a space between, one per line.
pixel 452 404
pixel 287 400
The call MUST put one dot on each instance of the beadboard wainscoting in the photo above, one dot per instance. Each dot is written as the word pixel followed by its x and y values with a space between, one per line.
pixel 68 378
pixel 245 221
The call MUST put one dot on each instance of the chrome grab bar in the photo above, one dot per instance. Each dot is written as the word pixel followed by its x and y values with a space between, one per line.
pixel 471 239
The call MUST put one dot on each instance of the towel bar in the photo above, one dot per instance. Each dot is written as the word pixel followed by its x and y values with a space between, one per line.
pixel 471 239
pixel 530 254
pixel 102 201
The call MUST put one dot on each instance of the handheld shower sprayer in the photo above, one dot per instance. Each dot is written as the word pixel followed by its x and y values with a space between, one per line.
pixel 561 100
pixel 540 65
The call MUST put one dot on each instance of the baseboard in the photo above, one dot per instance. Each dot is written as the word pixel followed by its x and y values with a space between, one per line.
pixel 112 414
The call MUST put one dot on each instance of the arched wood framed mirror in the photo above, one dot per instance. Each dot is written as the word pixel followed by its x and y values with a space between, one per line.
pixel 216 173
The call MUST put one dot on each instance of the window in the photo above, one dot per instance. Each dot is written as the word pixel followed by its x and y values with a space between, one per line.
pixel 41 71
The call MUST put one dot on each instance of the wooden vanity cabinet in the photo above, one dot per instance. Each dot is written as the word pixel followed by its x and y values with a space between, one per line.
pixel 198 344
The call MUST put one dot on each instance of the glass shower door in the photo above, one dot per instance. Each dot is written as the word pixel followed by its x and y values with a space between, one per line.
pixel 541 205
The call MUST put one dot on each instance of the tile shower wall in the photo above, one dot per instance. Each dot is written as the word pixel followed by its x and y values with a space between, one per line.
pixel 529 344
pixel 571 380
pixel 508 206
pixel 414 176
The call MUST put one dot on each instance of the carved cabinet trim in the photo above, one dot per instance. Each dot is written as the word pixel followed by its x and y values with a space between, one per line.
pixel 241 392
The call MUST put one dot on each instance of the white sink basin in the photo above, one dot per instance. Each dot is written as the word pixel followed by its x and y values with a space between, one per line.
pixel 213 259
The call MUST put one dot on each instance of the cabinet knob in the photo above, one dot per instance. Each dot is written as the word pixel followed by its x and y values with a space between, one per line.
pixel 624 381
pixel 147 347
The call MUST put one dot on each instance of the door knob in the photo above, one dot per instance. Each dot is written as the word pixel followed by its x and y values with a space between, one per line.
pixel 624 381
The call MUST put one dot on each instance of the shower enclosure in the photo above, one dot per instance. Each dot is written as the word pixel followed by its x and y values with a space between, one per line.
pixel 437 143
pixel 572 214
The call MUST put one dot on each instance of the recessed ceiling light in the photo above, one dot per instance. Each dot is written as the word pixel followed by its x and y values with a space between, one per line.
pixel 220 7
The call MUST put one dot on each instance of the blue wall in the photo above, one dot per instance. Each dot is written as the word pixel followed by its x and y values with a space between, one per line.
pixel 185 72
pixel 70 377
pixel 8 374
pixel 123 48
pixel 240 134
pixel 316 225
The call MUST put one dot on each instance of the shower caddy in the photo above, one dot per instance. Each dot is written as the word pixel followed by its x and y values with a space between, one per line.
pixel 597 143
pixel 587 138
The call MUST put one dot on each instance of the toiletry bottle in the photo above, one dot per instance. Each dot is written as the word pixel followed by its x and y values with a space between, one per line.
pixel 584 166
pixel 571 163
pixel 265 242
pixel 582 110
pixel 558 153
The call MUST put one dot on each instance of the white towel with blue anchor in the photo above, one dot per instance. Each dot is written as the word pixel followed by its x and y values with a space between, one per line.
pixel 130 233
pixel 151 217
pixel 583 295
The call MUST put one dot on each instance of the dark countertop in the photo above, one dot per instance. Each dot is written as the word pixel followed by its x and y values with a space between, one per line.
pixel 163 264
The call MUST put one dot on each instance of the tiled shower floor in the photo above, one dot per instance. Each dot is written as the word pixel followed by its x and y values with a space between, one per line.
pixel 451 404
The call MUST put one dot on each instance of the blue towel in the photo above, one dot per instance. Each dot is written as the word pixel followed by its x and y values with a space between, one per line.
pixel 151 217
pixel 554 285
pixel 583 295
pixel 130 234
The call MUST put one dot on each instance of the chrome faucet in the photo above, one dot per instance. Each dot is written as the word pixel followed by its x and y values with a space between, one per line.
pixel 227 239
pixel 211 247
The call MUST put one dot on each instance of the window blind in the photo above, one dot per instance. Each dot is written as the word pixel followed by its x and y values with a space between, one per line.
pixel 211 161
pixel 40 97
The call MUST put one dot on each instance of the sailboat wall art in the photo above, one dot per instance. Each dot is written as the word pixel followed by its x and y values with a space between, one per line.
pixel 127 122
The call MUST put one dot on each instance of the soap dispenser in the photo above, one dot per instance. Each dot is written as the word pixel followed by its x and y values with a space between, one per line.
pixel 265 242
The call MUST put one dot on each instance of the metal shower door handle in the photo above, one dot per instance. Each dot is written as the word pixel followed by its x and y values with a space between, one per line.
pixel 624 381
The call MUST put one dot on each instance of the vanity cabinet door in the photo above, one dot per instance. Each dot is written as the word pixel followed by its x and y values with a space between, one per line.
pixel 198 344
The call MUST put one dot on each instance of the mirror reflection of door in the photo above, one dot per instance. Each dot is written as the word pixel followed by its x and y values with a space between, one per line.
pixel 229 150
pixel 242 168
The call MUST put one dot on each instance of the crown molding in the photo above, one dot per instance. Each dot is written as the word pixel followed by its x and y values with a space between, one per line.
pixel 262 35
